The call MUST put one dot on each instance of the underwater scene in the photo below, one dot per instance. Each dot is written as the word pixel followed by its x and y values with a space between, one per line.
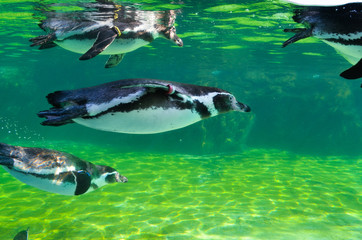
pixel 157 119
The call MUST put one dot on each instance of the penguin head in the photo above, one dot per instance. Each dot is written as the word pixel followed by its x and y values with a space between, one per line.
pixel 113 177
pixel 110 175
pixel 170 34
pixel 226 102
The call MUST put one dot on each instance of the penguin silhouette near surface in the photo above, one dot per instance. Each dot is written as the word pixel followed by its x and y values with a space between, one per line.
pixel 139 106
pixel 54 171
pixel 339 26
pixel 22 235
pixel 105 28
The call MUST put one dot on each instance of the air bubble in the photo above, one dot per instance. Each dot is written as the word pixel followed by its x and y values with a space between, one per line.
pixel 11 129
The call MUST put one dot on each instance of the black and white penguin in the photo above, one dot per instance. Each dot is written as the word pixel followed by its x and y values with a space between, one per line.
pixel 338 26
pixel 56 172
pixel 321 2
pixel 139 106
pixel 111 30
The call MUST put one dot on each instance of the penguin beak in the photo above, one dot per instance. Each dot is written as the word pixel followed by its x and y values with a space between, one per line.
pixel 171 35
pixel 179 41
pixel 120 178
pixel 242 107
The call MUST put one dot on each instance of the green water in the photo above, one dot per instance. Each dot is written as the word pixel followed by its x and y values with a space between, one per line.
pixel 290 169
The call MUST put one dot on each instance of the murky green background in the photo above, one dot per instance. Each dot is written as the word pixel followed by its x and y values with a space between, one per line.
pixel 290 169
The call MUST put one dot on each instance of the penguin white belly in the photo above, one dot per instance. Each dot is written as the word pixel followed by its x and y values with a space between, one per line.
pixel 149 121
pixel 117 47
pixel 352 53
pixel 45 184
pixel 124 45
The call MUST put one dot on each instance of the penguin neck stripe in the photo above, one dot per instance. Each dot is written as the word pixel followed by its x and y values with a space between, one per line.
pixel 202 110
pixel 338 36
pixel 356 42
pixel 145 102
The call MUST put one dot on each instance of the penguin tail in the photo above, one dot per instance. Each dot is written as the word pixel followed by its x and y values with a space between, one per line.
pixel 5 149
pixel 66 107
pixel 300 15
pixel 6 155
pixel 59 99
pixel 62 116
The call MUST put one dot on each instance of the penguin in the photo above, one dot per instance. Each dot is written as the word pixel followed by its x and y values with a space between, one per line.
pixel 338 26
pixel 321 2
pixel 54 171
pixel 139 106
pixel 22 235
pixel 111 30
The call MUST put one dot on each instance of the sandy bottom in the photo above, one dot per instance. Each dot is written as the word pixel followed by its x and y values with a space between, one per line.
pixel 258 194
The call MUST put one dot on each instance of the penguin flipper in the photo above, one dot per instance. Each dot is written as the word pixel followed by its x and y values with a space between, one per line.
pixel 151 86
pixel 300 34
pixel 83 180
pixel 354 72
pixel 169 89
pixel 62 116
pixel 114 60
pixel 104 39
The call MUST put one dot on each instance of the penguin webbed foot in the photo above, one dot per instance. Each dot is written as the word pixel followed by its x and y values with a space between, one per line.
pixel 301 33
pixel 61 116
pixel 114 60
pixel 44 41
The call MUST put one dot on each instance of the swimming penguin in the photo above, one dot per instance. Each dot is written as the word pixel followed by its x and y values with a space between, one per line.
pixel 111 30
pixel 322 2
pixel 139 106
pixel 338 26
pixel 23 235
pixel 56 172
